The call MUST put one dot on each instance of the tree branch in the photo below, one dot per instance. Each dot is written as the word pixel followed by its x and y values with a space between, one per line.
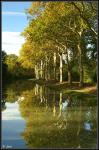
pixel 85 19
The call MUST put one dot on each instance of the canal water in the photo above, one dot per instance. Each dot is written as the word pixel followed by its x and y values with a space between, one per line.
pixel 35 116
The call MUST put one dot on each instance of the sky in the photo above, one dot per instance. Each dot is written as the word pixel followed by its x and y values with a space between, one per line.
pixel 14 20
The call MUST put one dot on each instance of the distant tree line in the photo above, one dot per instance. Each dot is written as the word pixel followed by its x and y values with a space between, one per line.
pixel 13 69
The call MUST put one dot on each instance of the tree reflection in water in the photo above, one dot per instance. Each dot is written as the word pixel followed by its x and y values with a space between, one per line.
pixel 3 104
pixel 55 120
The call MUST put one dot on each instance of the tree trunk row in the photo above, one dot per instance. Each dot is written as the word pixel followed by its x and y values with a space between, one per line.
pixel 44 71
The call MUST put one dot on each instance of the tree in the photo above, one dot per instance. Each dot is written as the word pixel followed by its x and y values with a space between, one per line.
pixel 88 9
pixel 60 34
pixel 4 66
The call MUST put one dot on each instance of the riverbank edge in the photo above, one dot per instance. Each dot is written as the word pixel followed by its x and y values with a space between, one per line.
pixel 55 85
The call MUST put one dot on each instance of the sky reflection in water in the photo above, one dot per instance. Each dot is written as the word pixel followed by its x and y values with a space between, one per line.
pixel 12 125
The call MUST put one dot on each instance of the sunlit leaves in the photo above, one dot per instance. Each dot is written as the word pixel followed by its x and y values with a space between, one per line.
pixel 57 24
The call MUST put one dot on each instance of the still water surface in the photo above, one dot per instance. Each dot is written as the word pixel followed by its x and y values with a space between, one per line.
pixel 34 116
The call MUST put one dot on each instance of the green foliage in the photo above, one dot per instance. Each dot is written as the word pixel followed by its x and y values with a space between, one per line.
pixel 12 68
pixel 58 27
pixel 4 66
pixel 59 24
